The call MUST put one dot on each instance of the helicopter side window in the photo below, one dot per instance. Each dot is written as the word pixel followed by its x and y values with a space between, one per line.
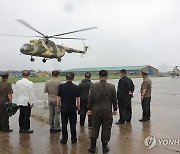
pixel 26 47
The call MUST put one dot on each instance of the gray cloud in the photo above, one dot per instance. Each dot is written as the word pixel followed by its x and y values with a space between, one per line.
pixel 129 32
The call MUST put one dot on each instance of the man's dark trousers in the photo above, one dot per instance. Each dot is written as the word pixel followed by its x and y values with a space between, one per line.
pixel 146 107
pixel 105 120
pixel 24 117
pixel 4 118
pixel 82 112
pixel 125 109
pixel 72 117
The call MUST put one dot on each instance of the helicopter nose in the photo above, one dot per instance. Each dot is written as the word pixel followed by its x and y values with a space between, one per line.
pixel 26 48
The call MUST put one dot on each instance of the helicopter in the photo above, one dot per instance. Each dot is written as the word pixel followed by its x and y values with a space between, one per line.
pixel 46 48
pixel 175 72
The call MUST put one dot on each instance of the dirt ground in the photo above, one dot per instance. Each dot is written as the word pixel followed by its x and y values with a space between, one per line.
pixel 125 139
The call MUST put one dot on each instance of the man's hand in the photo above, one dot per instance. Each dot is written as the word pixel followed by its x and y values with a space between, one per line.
pixel 114 113
pixel 31 105
pixel 89 112
pixel 142 97
pixel 130 93
pixel 78 107
pixel 58 107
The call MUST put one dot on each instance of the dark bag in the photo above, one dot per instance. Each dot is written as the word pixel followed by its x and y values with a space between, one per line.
pixel 11 108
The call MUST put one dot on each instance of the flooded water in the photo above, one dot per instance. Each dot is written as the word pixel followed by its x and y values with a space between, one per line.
pixel 125 139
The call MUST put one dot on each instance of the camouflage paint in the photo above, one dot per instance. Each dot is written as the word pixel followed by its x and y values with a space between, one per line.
pixel 48 49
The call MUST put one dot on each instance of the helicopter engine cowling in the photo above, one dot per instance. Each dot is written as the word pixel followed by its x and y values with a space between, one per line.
pixel 27 49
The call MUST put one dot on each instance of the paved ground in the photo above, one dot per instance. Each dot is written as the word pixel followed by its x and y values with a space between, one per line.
pixel 126 139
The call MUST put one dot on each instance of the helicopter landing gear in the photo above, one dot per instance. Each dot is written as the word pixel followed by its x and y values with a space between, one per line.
pixel 59 59
pixel 44 60
pixel 32 59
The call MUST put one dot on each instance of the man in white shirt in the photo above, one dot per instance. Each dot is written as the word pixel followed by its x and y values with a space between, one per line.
pixel 25 98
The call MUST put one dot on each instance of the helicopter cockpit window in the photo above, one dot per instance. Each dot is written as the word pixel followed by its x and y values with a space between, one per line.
pixel 26 47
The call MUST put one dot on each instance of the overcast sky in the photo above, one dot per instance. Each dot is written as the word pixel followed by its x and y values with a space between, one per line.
pixel 130 32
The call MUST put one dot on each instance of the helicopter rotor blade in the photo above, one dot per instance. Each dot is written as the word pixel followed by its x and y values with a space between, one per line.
pixel 20 35
pixel 29 26
pixel 69 38
pixel 73 31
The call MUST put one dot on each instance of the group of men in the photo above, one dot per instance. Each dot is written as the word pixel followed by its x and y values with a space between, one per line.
pixel 98 101
pixel 25 98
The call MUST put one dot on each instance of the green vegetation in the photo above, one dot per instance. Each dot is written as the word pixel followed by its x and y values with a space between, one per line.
pixel 33 79
pixel 62 78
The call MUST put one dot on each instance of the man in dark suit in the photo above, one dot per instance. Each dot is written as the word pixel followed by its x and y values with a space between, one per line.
pixel 84 87
pixel 124 95
pixel 68 101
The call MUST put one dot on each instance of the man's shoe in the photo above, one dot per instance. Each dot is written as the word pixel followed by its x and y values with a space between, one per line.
pixel 74 141
pixel 128 121
pixel 9 130
pixel 89 126
pixel 56 131
pixel 92 149
pixel 143 119
pixel 28 131
pixel 20 131
pixel 120 122
pixel 105 147
pixel 63 141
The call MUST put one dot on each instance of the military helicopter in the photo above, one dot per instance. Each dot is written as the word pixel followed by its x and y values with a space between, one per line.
pixel 175 72
pixel 46 48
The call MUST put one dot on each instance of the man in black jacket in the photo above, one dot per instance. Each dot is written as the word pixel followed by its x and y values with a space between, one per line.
pixel 68 101
pixel 84 87
pixel 124 94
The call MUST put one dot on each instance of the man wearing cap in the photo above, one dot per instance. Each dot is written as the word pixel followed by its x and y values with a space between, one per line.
pixel 5 96
pixel 51 87
pixel 25 100
pixel 84 87
pixel 102 97
pixel 145 96
pixel 124 95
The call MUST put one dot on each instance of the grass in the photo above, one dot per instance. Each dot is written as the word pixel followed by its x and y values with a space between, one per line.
pixel 62 78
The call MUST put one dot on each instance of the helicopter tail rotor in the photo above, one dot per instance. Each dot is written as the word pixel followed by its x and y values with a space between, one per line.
pixel 85 48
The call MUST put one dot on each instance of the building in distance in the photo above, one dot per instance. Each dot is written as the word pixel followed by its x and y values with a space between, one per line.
pixel 131 70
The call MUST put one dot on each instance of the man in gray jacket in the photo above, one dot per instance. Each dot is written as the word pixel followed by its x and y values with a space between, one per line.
pixel 51 87
pixel 102 97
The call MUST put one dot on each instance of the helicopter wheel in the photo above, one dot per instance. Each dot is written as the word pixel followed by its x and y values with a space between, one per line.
pixel 44 60
pixel 32 59
pixel 59 59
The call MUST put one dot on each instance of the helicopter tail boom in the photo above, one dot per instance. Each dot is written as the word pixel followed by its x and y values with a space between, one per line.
pixel 70 50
